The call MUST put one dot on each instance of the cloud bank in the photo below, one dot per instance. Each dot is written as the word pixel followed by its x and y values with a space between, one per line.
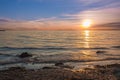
pixel 105 12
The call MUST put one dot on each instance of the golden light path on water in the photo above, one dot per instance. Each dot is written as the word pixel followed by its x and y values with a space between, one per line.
pixel 86 37
pixel 86 43
pixel 78 56
pixel 88 54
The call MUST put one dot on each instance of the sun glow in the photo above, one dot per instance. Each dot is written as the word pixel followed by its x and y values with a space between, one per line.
pixel 86 23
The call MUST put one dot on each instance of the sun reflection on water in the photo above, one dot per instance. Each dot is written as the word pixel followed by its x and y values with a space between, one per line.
pixel 86 42
pixel 86 34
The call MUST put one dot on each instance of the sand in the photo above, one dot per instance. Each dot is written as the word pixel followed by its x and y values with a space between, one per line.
pixel 106 72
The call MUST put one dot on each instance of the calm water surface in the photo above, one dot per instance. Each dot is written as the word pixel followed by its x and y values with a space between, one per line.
pixel 72 47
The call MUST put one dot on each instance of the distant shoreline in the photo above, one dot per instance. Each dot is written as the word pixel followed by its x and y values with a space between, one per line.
pixel 2 30
pixel 69 30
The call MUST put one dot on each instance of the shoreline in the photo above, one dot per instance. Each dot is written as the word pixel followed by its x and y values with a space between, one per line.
pixel 76 64
pixel 62 72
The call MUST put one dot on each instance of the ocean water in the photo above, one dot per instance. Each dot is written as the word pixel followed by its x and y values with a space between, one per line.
pixel 76 48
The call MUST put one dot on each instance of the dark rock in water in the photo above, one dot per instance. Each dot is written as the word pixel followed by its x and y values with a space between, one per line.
pixel 2 30
pixel 113 65
pixel 115 46
pixel 99 66
pixel 59 64
pixel 16 68
pixel 101 52
pixel 66 66
pixel 24 55
pixel 1 54
pixel 50 68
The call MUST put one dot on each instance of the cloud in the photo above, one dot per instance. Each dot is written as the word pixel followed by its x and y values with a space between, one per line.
pixel 99 16
pixel 114 25
pixel 65 22
pixel 107 12
pixel 52 23
pixel 87 2
pixel 5 20
pixel 98 2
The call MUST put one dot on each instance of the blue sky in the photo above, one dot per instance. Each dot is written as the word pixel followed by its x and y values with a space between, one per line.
pixel 34 9
pixel 50 13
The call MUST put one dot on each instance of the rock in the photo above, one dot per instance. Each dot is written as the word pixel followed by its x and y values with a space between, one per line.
pixel 99 66
pixel 115 46
pixel 100 52
pixel 66 66
pixel 1 54
pixel 24 55
pixel 59 64
pixel 50 68
pixel 113 65
pixel 16 68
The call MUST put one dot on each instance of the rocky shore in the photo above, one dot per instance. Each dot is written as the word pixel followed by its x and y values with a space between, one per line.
pixel 61 72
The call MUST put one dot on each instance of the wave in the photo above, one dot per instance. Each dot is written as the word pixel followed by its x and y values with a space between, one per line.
pixel 54 61
pixel 49 48
pixel 23 36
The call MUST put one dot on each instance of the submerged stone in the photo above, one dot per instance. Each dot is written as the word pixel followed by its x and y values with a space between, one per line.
pixel 50 67
pixel 25 54
pixel 59 64
pixel 115 46
pixel 16 68
pixel 101 52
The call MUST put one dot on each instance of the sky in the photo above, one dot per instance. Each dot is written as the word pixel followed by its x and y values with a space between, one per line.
pixel 58 14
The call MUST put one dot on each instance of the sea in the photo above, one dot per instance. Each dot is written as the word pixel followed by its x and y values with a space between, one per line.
pixel 79 49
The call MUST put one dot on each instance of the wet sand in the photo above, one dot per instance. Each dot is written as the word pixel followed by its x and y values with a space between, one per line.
pixel 106 72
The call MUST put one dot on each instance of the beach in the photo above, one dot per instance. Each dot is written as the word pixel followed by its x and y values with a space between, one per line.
pixel 106 72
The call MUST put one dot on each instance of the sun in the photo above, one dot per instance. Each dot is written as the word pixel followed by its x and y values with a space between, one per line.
pixel 86 23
